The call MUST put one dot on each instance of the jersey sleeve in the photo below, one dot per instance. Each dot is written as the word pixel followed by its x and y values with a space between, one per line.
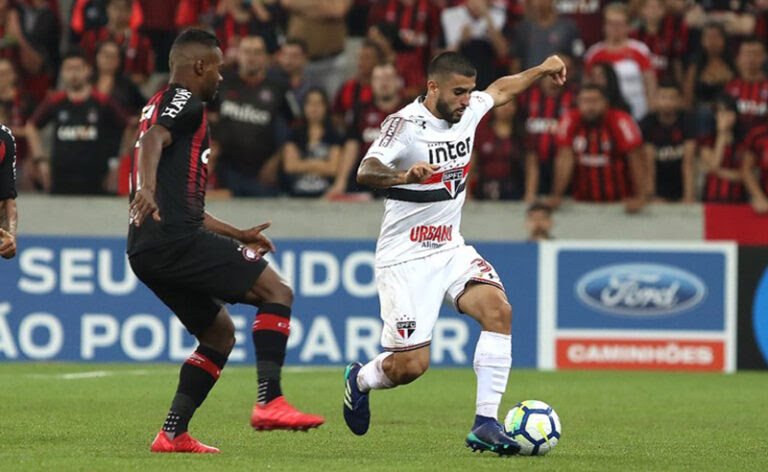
pixel 180 112
pixel 7 164
pixel 394 138
pixel 480 103
pixel 625 131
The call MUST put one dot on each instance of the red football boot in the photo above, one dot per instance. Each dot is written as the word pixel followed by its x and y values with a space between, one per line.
pixel 279 414
pixel 183 443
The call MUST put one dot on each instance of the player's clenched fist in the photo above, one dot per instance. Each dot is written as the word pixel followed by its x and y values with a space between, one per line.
pixel 555 68
pixel 420 172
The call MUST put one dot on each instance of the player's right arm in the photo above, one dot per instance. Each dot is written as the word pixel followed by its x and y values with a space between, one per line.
pixel 7 195
pixel 759 199
pixel 379 167
pixel 150 147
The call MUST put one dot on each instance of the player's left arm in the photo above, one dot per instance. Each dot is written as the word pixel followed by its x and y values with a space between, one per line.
pixel 506 88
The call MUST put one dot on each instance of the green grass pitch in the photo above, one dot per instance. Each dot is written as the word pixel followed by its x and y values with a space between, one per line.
pixel 104 416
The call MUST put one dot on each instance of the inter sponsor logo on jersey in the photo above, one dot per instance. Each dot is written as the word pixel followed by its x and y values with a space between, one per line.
pixel 178 103
pixel 449 151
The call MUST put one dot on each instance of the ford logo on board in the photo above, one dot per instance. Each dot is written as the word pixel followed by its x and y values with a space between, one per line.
pixel 641 289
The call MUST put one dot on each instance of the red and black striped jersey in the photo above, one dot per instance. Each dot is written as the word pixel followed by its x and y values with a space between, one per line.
pixel 757 143
pixel 352 96
pixel 666 45
pixel 541 114
pixel 752 100
pixel 719 190
pixel 600 150
pixel 182 172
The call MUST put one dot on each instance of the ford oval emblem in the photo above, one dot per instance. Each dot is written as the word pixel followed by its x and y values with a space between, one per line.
pixel 641 290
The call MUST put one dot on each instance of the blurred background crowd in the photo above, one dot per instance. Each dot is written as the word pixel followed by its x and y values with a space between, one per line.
pixel 666 100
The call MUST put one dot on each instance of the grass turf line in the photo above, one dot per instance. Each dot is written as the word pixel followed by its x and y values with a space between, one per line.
pixel 611 421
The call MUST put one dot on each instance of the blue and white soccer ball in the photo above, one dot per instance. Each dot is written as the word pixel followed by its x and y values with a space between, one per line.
pixel 534 425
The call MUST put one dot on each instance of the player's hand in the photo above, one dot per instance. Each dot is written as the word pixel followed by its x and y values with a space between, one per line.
pixel 760 205
pixel 420 172
pixel 554 67
pixel 7 244
pixel 254 239
pixel 143 205
pixel 634 205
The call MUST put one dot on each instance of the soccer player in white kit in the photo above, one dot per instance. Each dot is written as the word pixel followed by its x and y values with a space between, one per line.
pixel 422 158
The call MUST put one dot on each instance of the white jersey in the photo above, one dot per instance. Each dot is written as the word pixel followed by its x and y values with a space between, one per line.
pixel 424 219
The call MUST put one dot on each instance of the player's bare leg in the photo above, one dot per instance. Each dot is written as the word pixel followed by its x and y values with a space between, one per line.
pixel 271 328
pixel 196 378
pixel 493 358
pixel 387 370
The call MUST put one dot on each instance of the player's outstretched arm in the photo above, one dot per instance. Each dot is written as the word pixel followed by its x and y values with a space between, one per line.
pixel 374 173
pixel 504 89
pixel 151 146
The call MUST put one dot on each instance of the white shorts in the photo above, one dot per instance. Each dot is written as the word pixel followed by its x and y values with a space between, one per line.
pixel 412 293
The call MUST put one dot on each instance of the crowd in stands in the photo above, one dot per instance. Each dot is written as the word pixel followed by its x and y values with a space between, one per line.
pixel 666 100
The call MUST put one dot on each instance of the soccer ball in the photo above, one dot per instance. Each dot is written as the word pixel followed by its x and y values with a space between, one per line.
pixel 534 425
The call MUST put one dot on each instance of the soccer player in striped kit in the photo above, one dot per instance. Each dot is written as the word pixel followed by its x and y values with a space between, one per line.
pixel 193 261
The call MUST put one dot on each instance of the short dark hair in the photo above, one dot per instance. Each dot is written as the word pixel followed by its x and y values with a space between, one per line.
pixel 751 39
pixel 539 206
pixel 592 87
pixel 74 53
pixel 451 63
pixel 298 42
pixel 196 36
pixel 367 43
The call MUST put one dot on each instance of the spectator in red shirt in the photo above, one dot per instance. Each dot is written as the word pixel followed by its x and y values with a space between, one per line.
pixel 16 107
pixel 721 156
pixel 498 158
pixel 418 26
pixel 588 16
pixel 386 86
pixel 88 15
pixel 666 35
pixel 541 108
pixel 137 49
pixel 236 19
pixel 160 27
pixel 600 154
pixel 754 167
pixel 750 87
pixel 356 92
pixel 630 58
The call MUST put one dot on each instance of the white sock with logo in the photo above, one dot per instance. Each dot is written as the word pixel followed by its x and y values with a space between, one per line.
pixel 372 376
pixel 493 359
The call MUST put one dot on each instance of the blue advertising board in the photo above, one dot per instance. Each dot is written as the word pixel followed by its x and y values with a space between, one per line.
pixel 76 299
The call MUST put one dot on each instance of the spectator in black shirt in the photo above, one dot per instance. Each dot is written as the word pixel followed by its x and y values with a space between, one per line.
pixel 312 155
pixel 670 146
pixel 250 123
pixel 87 131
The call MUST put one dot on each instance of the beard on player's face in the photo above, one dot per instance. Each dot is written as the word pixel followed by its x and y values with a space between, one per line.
pixel 446 113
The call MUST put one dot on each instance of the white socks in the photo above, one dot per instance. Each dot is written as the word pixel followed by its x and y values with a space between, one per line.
pixel 372 376
pixel 493 359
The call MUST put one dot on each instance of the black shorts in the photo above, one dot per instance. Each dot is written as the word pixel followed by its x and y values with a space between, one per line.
pixel 195 275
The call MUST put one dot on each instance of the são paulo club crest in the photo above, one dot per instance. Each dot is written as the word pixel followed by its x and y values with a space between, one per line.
pixel 453 180
pixel 405 327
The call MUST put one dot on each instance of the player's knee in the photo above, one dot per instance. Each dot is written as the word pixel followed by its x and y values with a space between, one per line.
pixel 221 334
pixel 498 317
pixel 280 293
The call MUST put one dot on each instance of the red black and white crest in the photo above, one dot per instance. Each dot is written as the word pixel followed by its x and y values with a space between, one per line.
pixel 406 328
pixel 249 254
pixel 452 179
